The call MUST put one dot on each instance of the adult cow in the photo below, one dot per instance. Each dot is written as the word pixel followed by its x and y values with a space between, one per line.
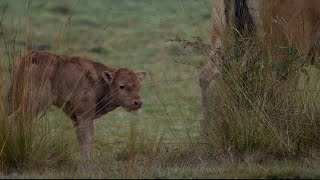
pixel 295 22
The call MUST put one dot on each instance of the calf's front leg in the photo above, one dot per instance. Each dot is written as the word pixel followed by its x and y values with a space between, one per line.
pixel 83 123
pixel 84 133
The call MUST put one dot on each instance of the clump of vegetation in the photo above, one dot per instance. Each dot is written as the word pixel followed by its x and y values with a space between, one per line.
pixel 265 106
pixel 266 96
pixel 29 145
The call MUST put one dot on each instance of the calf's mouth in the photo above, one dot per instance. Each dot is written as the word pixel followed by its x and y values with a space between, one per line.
pixel 132 108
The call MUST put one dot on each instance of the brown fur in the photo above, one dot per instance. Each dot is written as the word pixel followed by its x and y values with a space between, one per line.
pixel 301 18
pixel 82 88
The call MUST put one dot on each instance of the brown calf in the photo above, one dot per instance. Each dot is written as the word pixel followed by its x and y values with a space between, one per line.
pixel 82 88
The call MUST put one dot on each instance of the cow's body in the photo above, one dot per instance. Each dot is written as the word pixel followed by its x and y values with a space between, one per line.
pixel 82 88
pixel 300 16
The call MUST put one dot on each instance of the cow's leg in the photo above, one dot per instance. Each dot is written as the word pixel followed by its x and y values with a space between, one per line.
pixel 219 19
pixel 83 123
pixel 84 133
pixel 254 8
pixel 209 80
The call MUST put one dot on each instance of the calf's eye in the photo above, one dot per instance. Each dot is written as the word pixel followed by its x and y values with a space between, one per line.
pixel 121 87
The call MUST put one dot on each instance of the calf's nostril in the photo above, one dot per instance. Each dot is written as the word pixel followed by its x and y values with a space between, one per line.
pixel 137 102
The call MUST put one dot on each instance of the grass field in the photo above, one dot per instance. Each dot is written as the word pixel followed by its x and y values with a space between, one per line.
pixel 135 34
pixel 123 34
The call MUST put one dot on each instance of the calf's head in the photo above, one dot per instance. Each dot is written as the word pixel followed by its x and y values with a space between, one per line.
pixel 124 87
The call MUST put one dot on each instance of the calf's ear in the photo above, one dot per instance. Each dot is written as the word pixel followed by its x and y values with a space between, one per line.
pixel 141 74
pixel 108 77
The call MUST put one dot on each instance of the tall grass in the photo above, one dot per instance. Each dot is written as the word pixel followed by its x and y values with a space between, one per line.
pixel 25 145
pixel 29 145
pixel 266 100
